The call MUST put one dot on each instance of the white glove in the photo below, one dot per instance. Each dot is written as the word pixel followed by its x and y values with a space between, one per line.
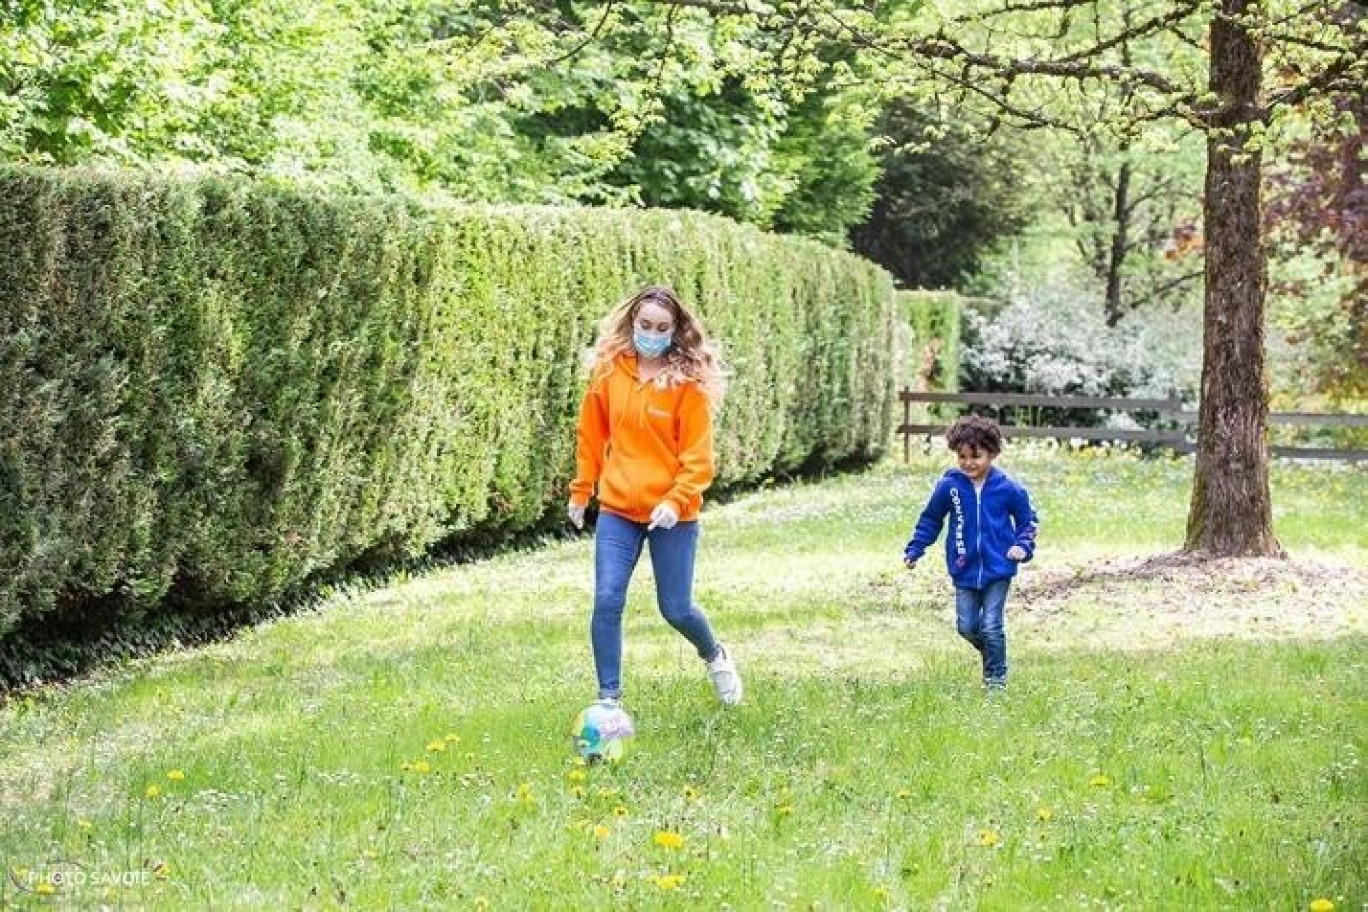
pixel 575 513
pixel 663 517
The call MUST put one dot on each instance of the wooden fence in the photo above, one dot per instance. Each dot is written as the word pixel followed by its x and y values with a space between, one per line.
pixel 1176 436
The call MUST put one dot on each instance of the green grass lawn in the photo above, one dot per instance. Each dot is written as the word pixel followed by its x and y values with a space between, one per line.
pixel 1174 737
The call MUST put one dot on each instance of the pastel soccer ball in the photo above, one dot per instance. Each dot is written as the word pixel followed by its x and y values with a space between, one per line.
pixel 601 731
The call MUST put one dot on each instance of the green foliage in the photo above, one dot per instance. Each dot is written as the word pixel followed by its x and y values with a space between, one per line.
pixel 213 389
pixel 1318 267
pixel 933 320
pixel 1318 315
pixel 1132 207
pixel 247 85
pixel 802 165
pixel 944 197
pixel 826 149
pixel 710 152
pixel 457 101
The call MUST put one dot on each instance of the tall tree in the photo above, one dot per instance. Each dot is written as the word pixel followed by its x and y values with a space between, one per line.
pixel 1199 61
pixel 1123 201
pixel 947 193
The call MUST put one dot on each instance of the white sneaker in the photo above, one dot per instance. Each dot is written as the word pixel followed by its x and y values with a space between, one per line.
pixel 725 680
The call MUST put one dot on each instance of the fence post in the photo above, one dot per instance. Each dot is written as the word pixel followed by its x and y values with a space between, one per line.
pixel 906 424
pixel 1174 409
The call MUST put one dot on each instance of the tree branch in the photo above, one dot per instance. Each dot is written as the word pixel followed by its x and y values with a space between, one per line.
pixel 1154 191
pixel 1335 76
pixel 1029 120
pixel 722 7
pixel 1168 286
pixel 1148 27
pixel 1298 41
pixel 588 40
pixel 659 78
pixel 1010 7
pixel 1072 67
pixel 1300 13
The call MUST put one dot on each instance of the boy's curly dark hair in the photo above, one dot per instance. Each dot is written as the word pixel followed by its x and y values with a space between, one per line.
pixel 975 432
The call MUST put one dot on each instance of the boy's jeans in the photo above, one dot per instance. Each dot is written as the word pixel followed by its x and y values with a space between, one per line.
pixel 979 619
pixel 617 545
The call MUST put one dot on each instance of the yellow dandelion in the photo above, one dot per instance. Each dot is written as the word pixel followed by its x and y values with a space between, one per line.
pixel 371 853
pixel 405 766
pixel 452 738
pixel 784 810
pixel 989 838
pixel 880 893
pixel 84 824
pixel 669 840
pixel 619 811
pixel 422 766
pixel 904 794
pixel 1321 905
pixel 577 775
pixel 1099 781
pixel 668 881
pixel 45 889
pixel 437 746
pixel 162 870
pixel 601 832
pixel 152 791
pixel 1044 814
pixel 175 775
pixel 525 791
pixel 692 794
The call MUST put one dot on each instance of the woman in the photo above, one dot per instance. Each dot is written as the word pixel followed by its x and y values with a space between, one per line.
pixel 645 441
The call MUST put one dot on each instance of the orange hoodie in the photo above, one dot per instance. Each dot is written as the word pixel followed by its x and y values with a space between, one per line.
pixel 642 444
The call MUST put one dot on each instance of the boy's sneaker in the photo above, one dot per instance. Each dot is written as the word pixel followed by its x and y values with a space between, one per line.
pixel 725 680
pixel 995 684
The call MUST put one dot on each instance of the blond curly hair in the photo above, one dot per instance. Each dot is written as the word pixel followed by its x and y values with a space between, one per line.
pixel 692 358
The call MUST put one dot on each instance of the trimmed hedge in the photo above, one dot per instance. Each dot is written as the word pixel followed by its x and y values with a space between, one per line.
pixel 933 321
pixel 212 389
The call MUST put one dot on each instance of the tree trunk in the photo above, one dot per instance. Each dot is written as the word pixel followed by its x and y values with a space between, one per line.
pixel 1231 513
pixel 1120 241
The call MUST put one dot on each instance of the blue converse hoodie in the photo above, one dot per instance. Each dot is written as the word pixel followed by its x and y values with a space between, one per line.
pixel 983 525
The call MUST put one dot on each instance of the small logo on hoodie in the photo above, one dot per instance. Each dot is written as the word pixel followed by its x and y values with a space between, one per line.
pixel 960 548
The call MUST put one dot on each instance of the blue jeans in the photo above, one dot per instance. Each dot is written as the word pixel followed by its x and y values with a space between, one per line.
pixel 617 545
pixel 979 617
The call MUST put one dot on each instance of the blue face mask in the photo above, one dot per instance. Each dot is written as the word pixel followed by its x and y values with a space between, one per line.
pixel 651 345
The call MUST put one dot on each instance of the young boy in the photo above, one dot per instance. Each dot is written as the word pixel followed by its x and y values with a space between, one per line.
pixel 992 530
